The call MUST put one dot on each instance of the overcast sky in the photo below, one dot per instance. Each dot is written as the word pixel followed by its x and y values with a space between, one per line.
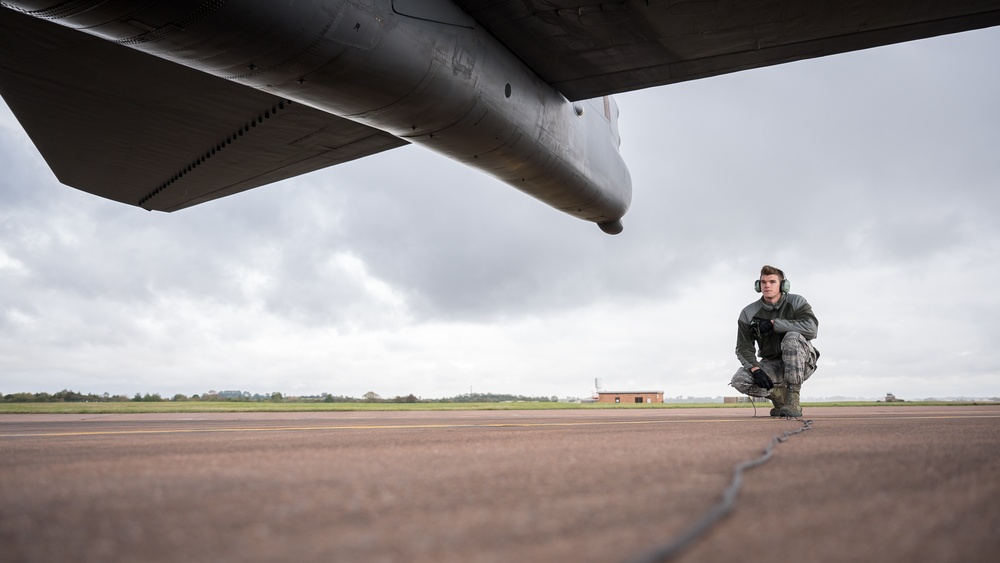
pixel 872 179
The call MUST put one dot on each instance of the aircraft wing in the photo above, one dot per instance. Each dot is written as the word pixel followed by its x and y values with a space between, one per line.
pixel 587 49
pixel 121 124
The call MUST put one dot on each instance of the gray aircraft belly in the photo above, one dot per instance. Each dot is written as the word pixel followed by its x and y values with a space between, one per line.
pixel 234 95
pixel 447 85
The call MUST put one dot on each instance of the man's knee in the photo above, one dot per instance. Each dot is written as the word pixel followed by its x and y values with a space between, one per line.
pixel 793 340
pixel 799 357
pixel 743 382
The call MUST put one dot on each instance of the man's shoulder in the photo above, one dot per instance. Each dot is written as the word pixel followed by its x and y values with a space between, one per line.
pixel 795 300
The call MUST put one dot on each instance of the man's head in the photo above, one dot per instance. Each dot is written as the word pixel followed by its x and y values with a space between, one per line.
pixel 770 283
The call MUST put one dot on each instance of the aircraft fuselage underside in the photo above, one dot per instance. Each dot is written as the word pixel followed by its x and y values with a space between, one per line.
pixel 421 71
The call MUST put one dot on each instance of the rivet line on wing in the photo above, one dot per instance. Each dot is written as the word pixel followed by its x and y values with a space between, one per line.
pixel 157 34
pixel 58 12
pixel 218 147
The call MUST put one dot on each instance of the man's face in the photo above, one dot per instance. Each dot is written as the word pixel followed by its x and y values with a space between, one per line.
pixel 770 287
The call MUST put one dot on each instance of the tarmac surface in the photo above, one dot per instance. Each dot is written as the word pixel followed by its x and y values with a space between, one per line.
pixel 892 483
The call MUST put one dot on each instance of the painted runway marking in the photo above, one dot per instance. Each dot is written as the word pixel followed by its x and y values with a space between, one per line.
pixel 354 427
pixel 152 431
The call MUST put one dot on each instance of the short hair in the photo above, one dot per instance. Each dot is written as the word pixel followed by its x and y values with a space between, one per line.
pixel 771 271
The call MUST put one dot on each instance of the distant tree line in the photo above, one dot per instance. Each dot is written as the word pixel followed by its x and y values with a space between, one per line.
pixel 67 396
pixel 64 396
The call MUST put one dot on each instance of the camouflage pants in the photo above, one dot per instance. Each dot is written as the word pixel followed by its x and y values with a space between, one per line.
pixel 797 363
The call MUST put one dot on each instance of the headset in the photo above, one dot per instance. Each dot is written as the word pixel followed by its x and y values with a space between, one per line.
pixel 785 286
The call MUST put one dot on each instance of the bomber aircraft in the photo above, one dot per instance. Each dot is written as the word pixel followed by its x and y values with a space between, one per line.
pixel 165 104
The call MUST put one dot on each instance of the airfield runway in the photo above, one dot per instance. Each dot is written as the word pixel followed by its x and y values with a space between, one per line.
pixel 862 484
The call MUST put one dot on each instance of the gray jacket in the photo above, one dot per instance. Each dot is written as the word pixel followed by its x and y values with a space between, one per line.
pixel 792 313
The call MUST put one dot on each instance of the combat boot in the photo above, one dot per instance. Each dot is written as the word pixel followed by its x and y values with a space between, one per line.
pixel 778 398
pixel 791 408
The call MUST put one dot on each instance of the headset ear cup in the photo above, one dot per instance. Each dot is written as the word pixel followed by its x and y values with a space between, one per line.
pixel 786 286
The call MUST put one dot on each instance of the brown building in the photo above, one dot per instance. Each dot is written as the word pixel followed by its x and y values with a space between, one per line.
pixel 630 397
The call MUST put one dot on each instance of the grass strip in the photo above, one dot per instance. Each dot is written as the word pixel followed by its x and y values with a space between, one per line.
pixel 262 406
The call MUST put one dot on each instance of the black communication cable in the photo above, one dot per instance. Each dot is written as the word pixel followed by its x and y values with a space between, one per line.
pixel 722 508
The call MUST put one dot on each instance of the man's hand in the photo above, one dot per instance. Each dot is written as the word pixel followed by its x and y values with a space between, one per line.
pixel 760 379
pixel 760 328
